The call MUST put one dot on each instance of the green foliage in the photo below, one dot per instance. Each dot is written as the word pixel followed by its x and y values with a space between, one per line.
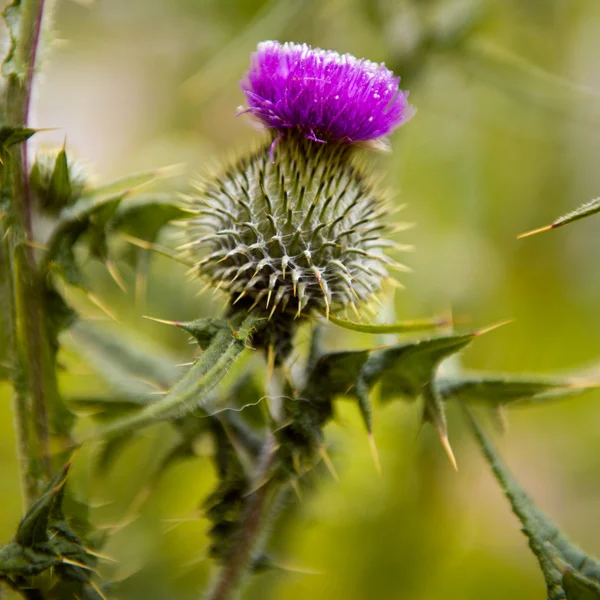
pixel 46 541
pixel 569 573
pixel 9 136
pixel 12 17
pixel 401 327
pixel 56 181
pixel 144 216
pixel 191 391
pixel 585 210
pixel 506 390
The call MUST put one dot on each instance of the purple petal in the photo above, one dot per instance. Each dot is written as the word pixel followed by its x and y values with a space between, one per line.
pixel 325 95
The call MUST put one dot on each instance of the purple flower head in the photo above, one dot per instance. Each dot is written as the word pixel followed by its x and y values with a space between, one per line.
pixel 325 95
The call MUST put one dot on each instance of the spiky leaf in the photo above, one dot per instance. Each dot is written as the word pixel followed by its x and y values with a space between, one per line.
pixel 502 389
pixel 45 540
pixel 192 390
pixel 585 210
pixel 9 136
pixel 569 573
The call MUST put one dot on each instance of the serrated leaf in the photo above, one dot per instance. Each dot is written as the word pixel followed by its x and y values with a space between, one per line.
pixel 85 216
pixel 144 216
pixel 33 530
pixel 405 369
pixel 507 390
pixel 204 330
pixel 9 136
pixel 45 540
pixel 192 390
pixel 585 210
pixel 569 573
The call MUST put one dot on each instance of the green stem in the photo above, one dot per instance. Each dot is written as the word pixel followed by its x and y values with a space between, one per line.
pixel 35 376
pixel 18 377
pixel 249 530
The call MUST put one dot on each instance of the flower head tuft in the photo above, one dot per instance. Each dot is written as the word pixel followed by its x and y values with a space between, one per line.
pixel 325 95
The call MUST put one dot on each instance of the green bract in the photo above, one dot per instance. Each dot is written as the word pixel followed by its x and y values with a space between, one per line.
pixel 295 228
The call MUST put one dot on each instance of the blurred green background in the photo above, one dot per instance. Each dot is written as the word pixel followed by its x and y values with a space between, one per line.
pixel 506 138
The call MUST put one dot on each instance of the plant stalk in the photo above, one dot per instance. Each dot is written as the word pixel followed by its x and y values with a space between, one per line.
pixel 248 534
pixel 34 373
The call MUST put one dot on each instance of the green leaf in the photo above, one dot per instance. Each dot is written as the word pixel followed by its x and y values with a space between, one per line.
pixel 202 330
pixel 585 210
pixel 405 369
pixel 569 573
pixel 45 540
pixel 9 136
pixel 89 215
pixel 12 18
pixel 401 327
pixel 132 183
pixel 33 530
pixel 60 191
pixel 501 389
pixel 192 390
pixel 578 587
pixel 133 370
pixel 144 216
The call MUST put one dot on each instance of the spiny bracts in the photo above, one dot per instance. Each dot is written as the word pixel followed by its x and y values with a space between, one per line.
pixel 295 230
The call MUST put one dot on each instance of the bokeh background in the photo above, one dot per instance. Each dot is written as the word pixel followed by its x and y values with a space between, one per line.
pixel 506 138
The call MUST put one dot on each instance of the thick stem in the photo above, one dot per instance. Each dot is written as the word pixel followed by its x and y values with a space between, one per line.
pixel 249 531
pixel 35 376
pixel 18 377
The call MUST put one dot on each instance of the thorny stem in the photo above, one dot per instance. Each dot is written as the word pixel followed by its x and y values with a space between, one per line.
pixel 250 526
pixel 35 376
pixel 28 487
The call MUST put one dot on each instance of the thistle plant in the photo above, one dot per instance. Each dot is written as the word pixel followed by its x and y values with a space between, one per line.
pixel 295 233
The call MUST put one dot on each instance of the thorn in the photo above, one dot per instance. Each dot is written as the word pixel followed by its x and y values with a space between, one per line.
pixel 374 454
pixel 67 561
pixel 272 311
pixel 328 463
pixel 296 488
pixel 355 311
pixel 239 297
pixel 448 449
pixel 114 273
pixel 100 556
pixel 534 232
pixel 95 300
pixel 492 327
pixel 164 321
pixel 97 589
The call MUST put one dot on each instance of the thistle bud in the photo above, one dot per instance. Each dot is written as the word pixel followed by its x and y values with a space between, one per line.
pixel 296 226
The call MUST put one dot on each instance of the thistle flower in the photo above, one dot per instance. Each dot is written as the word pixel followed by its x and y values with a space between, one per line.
pixel 325 95
pixel 298 226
